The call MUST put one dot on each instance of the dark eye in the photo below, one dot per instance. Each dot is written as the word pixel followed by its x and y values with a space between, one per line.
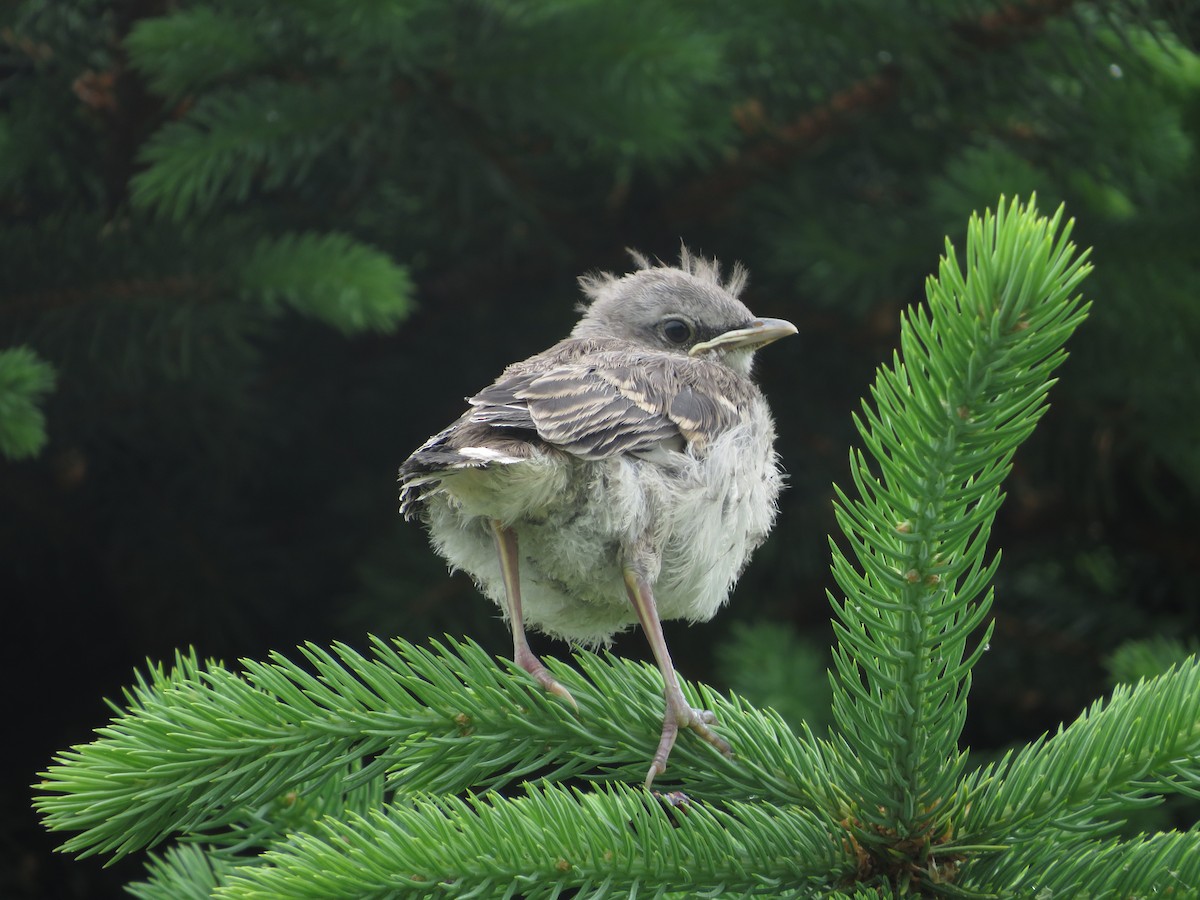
pixel 677 331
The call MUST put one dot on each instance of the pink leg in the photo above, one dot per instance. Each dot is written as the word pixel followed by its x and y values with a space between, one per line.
pixel 510 568
pixel 679 712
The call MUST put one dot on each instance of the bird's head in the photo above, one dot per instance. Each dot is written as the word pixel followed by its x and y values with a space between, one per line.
pixel 685 309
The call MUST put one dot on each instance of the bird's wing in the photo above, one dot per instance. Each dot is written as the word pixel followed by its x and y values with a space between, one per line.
pixel 606 403
pixel 588 399
pixel 577 408
pixel 700 399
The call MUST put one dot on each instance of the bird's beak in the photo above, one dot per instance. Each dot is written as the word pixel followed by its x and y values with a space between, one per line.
pixel 757 334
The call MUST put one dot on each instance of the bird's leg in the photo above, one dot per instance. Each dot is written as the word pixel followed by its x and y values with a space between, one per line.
pixel 679 713
pixel 510 570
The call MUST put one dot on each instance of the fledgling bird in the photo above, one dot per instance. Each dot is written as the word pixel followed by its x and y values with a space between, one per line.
pixel 622 476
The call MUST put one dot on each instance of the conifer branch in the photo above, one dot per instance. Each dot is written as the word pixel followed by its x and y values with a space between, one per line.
pixel 1011 22
pixel 201 748
pixel 1158 865
pixel 331 277
pixel 268 133
pixel 777 146
pixel 612 841
pixel 225 46
pixel 170 288
pixel 946 419
pixel 1122 753
pixel 184 872
pixel 24 378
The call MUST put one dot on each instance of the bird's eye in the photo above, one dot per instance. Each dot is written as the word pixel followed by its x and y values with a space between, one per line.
pixel 677 331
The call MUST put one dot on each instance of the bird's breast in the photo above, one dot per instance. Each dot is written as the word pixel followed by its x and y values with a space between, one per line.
pixel 691 516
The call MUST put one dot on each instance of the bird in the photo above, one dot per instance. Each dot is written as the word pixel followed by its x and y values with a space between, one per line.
pixel 621 477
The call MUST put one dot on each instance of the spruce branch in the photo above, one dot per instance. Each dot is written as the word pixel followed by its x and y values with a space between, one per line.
pixel 947 416
pixel 267 134
pixel 1124 752
pixel 1158 865
pixel 651 74
pixel 330 277
pixel 1011 22
pixel 192 49
pixel 189 50
pixel 612 841
pixel 24 378
pixel 185 872
pixel 1142 658
pixel 773 146
pixel 201 749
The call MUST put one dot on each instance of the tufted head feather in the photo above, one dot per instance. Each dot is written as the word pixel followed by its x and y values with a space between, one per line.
pixel 664 307
pixel 707 271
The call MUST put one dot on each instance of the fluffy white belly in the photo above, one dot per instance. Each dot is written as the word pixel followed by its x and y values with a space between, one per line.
pixel 695 517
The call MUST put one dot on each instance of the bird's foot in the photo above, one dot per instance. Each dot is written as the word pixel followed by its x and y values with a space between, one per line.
pixel 534 666
pixel 680 714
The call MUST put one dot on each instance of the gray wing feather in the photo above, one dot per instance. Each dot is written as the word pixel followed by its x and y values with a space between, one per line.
pixel 587 400
pixel 579 411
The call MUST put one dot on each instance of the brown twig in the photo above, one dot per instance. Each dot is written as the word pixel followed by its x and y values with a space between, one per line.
pixel 1010 23
pixel 710 194
pixel 121 289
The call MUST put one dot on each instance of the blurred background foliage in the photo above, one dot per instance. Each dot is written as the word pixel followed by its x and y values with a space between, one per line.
pixel 252 254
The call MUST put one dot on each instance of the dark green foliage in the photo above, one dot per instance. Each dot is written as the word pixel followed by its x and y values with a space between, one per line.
pixel 1136 660
pixel 266 248
pixel 23 380
pixel 330 277
pixel 782 670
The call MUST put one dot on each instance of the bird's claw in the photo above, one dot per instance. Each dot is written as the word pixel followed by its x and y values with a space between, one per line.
pixel 685 716
pixel 557 690
pixel 541 674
